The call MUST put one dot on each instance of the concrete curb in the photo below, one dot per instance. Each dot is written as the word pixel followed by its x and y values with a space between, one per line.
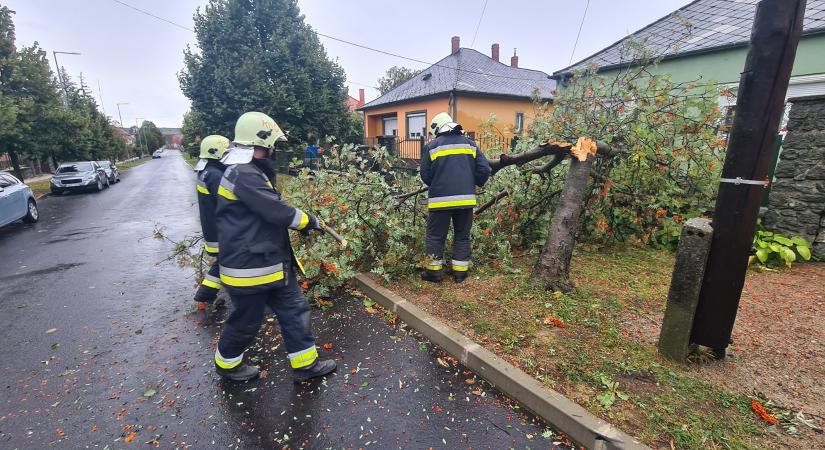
pixel 570 418
pixel 37 198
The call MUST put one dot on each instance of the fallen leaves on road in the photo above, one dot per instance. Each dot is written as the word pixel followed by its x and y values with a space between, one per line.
pixel 51 330
pixel 442 362
pixel 150 392
pixel 264 374
pixel 555 321
pixel 470 381
pixel 60 433
pixel 328 346
pixel 130 437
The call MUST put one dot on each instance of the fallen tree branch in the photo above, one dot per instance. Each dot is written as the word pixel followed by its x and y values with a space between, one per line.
pixel 491 202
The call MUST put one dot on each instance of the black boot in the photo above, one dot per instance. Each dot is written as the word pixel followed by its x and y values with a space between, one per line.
pixel 433 276
pixel 459 277
pixel 317 369
pixel 242 372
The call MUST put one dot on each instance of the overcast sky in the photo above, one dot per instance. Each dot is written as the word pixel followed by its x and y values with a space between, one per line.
pixel 135 58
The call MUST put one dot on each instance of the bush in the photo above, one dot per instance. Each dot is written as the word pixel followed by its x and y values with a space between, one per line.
pixel 771 249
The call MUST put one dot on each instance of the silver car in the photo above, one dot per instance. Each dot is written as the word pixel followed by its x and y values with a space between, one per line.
pixel 79 176
pixel 16 201
pixel 111 171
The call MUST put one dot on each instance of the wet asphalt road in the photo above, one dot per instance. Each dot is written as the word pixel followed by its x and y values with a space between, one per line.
pixel 102 349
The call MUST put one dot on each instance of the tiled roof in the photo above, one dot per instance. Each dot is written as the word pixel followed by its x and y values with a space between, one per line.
pixel 469 71
pixel 699 26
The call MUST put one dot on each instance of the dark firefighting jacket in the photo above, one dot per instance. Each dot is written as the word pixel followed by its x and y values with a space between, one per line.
pixel 208 181
pixel 452 166
pixel 253 223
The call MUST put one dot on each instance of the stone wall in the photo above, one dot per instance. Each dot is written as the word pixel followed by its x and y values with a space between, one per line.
pixel 797 201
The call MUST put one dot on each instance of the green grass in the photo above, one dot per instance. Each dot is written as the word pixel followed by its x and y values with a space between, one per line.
pixel 124 166
pixel 666 401
pixel 191 160
pixel 39 187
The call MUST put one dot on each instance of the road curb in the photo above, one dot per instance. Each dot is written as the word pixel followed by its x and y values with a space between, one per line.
pixel 41 196
pixel 570 418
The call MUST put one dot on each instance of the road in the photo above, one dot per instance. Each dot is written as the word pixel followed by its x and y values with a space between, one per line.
pixel 103 350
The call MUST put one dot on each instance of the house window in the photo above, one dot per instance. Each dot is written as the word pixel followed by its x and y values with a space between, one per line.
pixel 416 122
pixel 390 126
pixel 519 125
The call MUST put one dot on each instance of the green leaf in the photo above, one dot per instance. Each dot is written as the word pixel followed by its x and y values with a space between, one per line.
pixel 622 395
pixel 150 393
pixel 782 240
pixel 606 398
pixel 776 247
pixel 800 242
pixel 762 244
pixel 804 252
pixel 368 303
pixel 762 255
pixel 788 255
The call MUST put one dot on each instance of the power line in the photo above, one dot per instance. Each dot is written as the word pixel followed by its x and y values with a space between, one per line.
pixel 352 44
pixel 484 8
pixel 580 32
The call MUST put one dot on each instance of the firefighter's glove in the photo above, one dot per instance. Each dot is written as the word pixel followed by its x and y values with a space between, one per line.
pixel 314 224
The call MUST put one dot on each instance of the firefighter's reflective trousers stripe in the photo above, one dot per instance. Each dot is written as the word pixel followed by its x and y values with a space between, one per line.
pixel 451 201
pixel 211 284
pixel 292 310
pixel 438 224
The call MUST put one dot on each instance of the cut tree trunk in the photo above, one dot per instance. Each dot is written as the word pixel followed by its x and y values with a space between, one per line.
pixel 552 269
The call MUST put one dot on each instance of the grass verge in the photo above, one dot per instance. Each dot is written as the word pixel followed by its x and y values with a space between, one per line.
pixel 124 166
pixel 582 344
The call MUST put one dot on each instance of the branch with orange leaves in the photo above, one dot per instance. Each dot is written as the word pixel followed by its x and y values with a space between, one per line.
pixel 559 150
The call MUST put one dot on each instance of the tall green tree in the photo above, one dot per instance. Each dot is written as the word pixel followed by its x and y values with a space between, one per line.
pixel 149 137
pixel 260 55
pixel 394 77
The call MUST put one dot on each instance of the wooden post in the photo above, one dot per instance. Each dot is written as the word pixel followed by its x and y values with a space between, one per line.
pixel 759 107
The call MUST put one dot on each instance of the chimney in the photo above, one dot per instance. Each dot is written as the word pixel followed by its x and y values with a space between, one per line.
pixel 514 60
pixel 456 44
pixel 494 52
pixel 361 97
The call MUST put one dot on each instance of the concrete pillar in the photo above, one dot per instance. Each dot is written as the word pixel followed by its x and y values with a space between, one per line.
pixel 685 284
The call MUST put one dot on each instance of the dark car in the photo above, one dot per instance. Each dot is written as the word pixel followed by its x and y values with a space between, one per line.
pixel 111 171
pixel 16 201
pixel 79 176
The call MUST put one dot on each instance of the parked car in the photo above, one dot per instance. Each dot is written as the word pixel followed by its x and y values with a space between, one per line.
pixel 111 171
pixel 16 201
pixel 79 176
pixel 158 153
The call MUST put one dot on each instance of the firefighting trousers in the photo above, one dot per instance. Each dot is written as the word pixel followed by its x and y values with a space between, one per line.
pixel 211 284
pixel 438 224
pixel 292 311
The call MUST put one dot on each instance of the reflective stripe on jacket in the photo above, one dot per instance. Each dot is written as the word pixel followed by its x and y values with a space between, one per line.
pixel 207 186
pixel 452 166
pixel 252 225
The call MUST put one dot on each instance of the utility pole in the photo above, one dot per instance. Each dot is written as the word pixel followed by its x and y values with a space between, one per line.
pixel 760 103
pixel 118 114
pixel 60 74
pixel 100 93
pixel 140 130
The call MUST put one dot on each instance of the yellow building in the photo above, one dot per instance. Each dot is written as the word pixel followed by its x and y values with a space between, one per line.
pixel 467 84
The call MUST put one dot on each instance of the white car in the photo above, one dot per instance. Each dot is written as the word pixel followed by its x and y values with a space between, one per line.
pixel 16 201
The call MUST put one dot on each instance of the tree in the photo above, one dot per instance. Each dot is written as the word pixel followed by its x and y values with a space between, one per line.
pixel 149 137
pixel 261 56
pixel 394 77
pixel 192 131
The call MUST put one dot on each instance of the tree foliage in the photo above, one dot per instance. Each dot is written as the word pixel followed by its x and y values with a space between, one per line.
pixel 149 137
pixel 36 121
pixel 261 56
pixel 394 77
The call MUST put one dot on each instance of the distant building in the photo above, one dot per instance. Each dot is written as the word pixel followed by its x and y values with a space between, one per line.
pixel 125 134
pixel 355 103
pixel 171 136
pixel 467 84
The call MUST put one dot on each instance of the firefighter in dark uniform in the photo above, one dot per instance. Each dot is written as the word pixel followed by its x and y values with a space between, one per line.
pixel 452 166
pixel 210 171
pixel 257 265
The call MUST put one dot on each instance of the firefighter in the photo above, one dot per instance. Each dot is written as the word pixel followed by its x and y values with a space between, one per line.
pixel 210 171
pixel 452 166
pixel 257 265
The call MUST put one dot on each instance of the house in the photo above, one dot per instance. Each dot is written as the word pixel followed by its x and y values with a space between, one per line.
pixel 708 40
pixel 355 103
pixel 467 84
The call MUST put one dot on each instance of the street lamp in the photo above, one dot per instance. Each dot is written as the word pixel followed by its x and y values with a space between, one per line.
pixel 60 75
pixel 118 113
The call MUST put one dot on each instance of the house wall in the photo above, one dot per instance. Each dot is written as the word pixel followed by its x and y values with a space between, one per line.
pixel 796 206
pixel 373 125
pixel 474 111
pixel 725 66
